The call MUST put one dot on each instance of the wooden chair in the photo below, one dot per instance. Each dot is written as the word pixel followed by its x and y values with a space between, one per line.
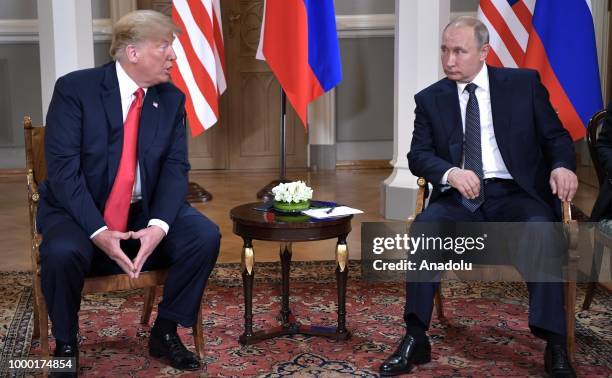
pixel 571 231
pixel 601 239
pixel 37 173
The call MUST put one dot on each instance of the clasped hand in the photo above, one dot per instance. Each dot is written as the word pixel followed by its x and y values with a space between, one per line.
pixel 109 242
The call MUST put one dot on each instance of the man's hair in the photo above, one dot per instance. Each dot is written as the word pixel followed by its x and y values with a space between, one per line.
pixel 139 26
pixel 480 30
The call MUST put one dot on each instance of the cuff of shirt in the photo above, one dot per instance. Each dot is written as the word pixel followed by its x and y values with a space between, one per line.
pixel 160 223
pixel 103 228
pixel 444 180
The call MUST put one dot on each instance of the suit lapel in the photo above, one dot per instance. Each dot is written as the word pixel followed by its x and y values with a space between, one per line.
pixel 149 120
pixel 111 98
pixel 147 130
pixel 450 112
pixel 500 89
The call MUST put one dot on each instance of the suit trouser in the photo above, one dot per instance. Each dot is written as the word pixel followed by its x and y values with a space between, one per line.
pixel 505 201
pixel 189 251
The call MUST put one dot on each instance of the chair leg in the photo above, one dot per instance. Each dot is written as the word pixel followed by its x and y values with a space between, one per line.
pixel 41 316
pixel 44 333
pixel 594 276
pixel 36 331
pixel 438 302
pixel 570 310
pixel 149 298
pixel 588 298
pixel 43 320
pixel 198 335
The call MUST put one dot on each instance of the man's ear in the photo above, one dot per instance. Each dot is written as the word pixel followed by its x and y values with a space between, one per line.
pixel 131 53
pixel 484 51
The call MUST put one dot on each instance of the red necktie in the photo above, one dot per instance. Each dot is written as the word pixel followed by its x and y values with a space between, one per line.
pixel 118 202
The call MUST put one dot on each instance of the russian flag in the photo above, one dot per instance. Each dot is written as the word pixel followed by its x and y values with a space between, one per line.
pixel 300 44
pixel 562 48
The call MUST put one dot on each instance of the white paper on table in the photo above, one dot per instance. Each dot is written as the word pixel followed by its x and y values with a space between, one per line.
pixel 336 212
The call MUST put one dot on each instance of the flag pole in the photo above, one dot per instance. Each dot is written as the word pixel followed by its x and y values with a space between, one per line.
pixel 283 138
pixel 265 193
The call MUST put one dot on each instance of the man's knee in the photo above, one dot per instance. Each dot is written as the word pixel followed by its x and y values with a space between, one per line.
pixel 427 216
pixel 202 237
pixel 439 211
pixel 211 239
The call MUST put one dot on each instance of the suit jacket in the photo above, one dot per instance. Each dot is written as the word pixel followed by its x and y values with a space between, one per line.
pixel 83 143
pixel 528 132
pixel 603 205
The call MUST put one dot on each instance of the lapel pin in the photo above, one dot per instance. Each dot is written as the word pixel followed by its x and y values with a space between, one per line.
pixel 155 104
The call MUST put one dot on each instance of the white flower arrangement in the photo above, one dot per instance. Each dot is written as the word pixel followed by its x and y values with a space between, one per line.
pixel 296 191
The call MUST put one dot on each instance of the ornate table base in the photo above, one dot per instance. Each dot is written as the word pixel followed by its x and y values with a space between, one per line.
pixel 289 326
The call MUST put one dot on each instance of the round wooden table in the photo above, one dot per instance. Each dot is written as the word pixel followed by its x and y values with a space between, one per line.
pixel 251 224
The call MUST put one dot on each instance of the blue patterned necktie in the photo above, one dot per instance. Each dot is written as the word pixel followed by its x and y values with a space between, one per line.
pixel 472 149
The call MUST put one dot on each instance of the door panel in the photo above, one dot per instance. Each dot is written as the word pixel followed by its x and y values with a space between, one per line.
pixel 248 132
pixel 254 131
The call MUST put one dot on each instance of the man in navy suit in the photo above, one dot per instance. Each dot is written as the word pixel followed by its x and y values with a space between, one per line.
pixel 602 209
pixel 494 149
pixel 85 229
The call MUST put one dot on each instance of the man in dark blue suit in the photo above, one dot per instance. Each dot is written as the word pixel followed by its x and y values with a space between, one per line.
pixel 602 209
pixel 494 149
pixel 116 153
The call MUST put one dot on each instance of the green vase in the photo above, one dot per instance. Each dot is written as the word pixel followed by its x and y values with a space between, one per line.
pixel 292 218
pixel 291 207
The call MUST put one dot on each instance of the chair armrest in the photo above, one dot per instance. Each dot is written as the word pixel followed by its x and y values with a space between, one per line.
pixel 421 197
pixel 32 187
pixel 570 225
pixel 33 198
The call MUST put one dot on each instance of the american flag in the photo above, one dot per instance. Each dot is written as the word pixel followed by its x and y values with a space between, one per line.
pixel 556 38
pixel 509 24
pixel 200 64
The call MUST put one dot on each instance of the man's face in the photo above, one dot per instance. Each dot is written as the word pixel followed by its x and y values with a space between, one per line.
pixel 155 59
pixel 462 59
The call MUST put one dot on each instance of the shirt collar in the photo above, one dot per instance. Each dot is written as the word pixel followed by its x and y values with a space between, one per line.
pixel 127 86
pixel 481 80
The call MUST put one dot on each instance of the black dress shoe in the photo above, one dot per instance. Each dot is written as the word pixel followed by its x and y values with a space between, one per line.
pixel 557 363
pixel 407 354
pixel 63 350
pixel 170 347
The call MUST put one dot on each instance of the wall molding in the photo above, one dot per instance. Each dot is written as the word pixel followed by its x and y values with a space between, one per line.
pixel 16 31
pixel 365 25
pixel 373 25
pixel 322 114
pixel 26 31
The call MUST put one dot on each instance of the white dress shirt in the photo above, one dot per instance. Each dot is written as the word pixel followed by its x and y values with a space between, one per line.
pixel 492 162
pixel 127 88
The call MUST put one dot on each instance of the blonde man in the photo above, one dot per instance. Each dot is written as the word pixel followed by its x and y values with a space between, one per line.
pixel 114 201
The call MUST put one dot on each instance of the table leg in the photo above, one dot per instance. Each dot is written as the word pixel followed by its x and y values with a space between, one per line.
pixel 248 273
pixel 289 325
pixel 341 277
pixel 285 257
